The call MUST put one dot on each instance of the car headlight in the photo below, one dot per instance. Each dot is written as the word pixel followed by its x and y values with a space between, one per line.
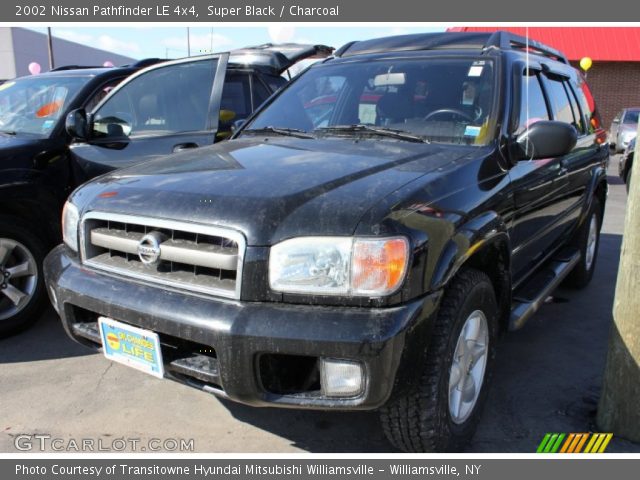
pixel 70 218
pixel 339 265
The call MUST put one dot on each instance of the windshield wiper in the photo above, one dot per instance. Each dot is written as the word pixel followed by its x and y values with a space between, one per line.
pixel 8 132
pixel 289 132
pixel 370 129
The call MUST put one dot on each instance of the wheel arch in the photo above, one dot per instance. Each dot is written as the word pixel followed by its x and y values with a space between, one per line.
pixel 486 247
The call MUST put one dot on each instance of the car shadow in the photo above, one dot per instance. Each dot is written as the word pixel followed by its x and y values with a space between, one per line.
pixel 350 432
pixel 46 340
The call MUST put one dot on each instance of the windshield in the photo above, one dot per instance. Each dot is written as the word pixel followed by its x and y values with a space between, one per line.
pixel 631 117
pixel 438 100
pixel 32 105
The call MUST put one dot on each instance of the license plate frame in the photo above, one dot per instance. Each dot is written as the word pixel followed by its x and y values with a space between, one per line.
pixel 131 346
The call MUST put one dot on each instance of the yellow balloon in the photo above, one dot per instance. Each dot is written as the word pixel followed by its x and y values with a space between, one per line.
pixel 586 63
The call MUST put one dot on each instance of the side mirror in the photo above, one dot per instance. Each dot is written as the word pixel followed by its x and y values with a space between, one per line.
pixel 545 139
pixel 77 125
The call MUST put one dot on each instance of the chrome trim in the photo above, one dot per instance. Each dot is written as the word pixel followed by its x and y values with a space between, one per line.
pixel 168 250
pixel 171 225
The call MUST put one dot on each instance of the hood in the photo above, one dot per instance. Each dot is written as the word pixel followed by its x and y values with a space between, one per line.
pixel 269 189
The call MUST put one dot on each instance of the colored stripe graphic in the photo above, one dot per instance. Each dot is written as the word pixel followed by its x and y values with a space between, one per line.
pixel 574 443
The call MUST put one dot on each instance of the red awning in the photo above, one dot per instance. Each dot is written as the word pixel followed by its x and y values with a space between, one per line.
pixel 615 44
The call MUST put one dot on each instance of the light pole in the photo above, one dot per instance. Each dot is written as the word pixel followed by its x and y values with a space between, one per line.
pixel 50 47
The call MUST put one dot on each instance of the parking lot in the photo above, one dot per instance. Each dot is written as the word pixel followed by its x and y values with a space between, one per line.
pixel 548 380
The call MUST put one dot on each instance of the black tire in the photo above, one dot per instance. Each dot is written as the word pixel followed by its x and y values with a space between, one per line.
pixel 582 273
pixel 13 229
pixel 418 419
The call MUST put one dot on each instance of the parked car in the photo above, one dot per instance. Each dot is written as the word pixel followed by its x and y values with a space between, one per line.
pixel 34 175
pixel 626 163
pixel 331 261
pixel 180 105
pixel 623 129
pixel 167 107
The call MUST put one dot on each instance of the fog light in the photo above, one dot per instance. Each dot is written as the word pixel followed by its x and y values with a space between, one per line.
pixel 341 378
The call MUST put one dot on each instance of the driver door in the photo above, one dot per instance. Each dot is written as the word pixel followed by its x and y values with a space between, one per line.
pixel 157 112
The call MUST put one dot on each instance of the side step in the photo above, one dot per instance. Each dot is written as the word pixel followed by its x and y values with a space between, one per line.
pixel 528 298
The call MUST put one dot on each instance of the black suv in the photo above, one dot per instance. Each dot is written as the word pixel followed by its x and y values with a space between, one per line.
pixel 360 243
pixel 35 177
pixel 168 107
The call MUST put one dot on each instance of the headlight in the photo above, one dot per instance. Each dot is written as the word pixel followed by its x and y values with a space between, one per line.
pixel 339 265
pixel 70 218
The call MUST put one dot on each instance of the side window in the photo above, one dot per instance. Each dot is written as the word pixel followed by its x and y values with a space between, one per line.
pixel 102 92
pixel 559 100
pixel 588 107
pixel 579 122
pixel 260 92
pixel 165 100
pixel 533 106
pixel 235 103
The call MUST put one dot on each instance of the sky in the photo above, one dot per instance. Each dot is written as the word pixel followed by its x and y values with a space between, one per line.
pixel 171 42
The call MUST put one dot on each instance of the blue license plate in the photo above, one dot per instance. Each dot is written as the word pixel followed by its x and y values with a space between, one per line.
pixel 131 346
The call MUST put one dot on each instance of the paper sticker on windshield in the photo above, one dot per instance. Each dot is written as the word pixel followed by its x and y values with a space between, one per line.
pixel 4 86
pixel 47 124
pixel 471 131
pixel 475 71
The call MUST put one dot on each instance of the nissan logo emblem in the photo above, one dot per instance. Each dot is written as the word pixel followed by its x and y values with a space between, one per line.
pixel 149 248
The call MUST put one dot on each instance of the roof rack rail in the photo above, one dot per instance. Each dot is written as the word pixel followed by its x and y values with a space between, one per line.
pixel 72 67
pixel 146 62
pixel 507 40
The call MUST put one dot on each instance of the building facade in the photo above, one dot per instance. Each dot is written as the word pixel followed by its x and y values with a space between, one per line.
pixel 19 47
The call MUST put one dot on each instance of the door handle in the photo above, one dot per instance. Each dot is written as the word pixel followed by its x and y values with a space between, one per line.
pixel 184 146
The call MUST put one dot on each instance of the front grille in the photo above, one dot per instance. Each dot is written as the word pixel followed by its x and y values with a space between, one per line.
pixel 190 256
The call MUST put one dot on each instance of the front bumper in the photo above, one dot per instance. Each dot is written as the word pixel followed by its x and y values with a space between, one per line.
pixel 242 334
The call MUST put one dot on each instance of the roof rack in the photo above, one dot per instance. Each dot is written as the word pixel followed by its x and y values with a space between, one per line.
pixel 507 40
pixel 73 67
pixel 137 64
pixel 146 62
pixel 449 40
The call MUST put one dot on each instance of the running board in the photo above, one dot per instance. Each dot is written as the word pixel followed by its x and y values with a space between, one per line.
pixel 531 296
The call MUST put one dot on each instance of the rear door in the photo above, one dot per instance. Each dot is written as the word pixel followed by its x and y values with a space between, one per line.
pixel 157 112
pixel 536 184
pixel 575 167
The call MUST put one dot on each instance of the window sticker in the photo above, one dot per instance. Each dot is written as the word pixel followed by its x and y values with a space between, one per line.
pixel 475 71
pixel 47 124
pixel 471 131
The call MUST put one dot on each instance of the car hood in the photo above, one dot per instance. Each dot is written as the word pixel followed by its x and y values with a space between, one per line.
pixel 269 188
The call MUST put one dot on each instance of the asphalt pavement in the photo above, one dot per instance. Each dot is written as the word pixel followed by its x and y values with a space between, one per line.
pixel 548 379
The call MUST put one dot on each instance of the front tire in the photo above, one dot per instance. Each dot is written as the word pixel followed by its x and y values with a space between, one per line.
pixel 440 411
pixel 22 291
